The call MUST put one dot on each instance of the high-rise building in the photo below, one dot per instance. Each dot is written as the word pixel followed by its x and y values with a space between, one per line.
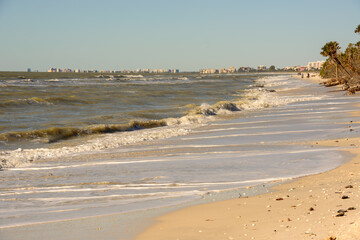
pixel 315 65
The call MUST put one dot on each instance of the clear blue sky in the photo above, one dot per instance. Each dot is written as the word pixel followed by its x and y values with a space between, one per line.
pixel 186 34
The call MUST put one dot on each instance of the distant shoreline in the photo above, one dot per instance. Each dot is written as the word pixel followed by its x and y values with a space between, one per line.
pixel 8 75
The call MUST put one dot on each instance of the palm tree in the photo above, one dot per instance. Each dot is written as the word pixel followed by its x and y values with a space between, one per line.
pixel 357 30
pixel 330 50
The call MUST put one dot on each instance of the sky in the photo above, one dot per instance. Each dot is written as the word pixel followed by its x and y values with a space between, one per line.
pixel 186 35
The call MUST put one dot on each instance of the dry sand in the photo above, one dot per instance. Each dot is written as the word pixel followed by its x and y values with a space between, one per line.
pixel 314 77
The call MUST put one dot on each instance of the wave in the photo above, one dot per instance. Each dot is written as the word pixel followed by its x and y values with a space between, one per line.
pixel 55 134
pixel 40 101
pixel 25 157
pixel 251 99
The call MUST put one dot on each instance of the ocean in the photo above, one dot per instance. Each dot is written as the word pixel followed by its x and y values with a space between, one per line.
pixel 36 112
pixel 76 148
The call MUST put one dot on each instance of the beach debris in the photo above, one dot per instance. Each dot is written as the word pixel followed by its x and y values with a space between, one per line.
pixel 311 209
pixel 331 238
pixel 351 129
pixel 344 197
pixel 340 214
pixel 279 199
pixel 349 186
pixel 288 219
pixel 351 208
pixel 342 211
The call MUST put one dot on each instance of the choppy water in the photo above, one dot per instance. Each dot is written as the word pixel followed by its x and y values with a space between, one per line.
pixel 34 112
pixel 214 134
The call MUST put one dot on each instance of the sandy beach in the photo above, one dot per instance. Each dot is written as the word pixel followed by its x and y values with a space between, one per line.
pixel 313 207
pixel 321 206
pixel 196 185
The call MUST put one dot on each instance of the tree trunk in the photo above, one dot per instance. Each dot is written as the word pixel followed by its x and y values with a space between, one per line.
pixel 336 72
pixel 340 64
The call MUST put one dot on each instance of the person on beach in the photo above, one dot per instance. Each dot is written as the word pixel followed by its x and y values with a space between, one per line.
pixel 308 75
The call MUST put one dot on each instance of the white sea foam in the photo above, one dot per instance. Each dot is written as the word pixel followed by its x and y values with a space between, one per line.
pixel 253 99
pixel 25 157
pixel 134 76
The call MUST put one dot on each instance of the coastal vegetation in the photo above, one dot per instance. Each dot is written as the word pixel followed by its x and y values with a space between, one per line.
pixel 342 68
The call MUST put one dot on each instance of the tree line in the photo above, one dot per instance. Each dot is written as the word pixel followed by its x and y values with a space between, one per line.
pixel 342 67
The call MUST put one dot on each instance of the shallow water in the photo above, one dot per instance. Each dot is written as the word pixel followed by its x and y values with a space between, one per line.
pixel 127 171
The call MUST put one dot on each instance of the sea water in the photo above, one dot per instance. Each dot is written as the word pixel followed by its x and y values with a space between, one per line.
pixel 147 142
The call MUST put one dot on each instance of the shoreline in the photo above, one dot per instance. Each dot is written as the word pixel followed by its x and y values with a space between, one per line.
pixel 129 225
pixel 296 209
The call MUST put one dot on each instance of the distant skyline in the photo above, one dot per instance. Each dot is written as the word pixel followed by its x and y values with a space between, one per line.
pixel 186 35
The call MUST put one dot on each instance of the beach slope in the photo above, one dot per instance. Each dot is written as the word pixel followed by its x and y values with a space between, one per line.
pixel 313 207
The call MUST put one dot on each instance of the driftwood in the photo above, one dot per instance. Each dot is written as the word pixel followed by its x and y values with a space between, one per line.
pixel 334 82
pixel 351 85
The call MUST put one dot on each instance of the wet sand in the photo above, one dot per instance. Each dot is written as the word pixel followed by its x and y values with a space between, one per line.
pixel 321 206
pixel 307 208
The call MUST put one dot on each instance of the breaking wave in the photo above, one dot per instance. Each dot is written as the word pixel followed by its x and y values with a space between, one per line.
pixel 251 99
pixel 62 133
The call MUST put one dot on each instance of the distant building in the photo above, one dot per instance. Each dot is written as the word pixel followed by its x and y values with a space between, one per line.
pixel 228 70
pixel 209 71
pixel 245 69
pixel 261 68
pixel 52 70
pixel 161 70
pixel 28 70
pixel 127 71
pixel 223 70
pixel 315 65
pixel 231 69
pixel 66 70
